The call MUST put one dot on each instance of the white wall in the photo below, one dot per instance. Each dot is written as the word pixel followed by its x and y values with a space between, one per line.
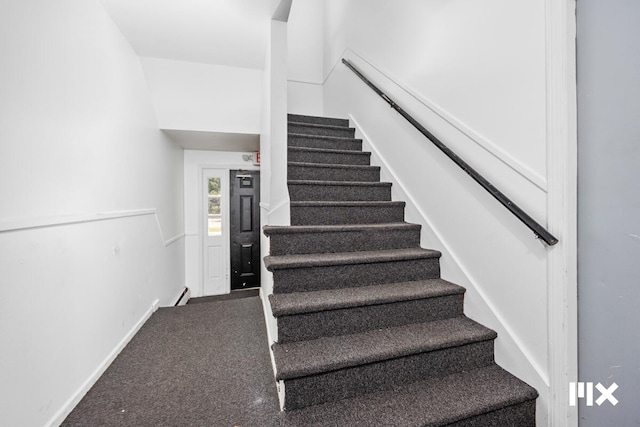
pixel 304 47
pixel 204 97
pixel 304 98
pixel 474 74
pixel 194 162
pixel 482 62
pixel 91 219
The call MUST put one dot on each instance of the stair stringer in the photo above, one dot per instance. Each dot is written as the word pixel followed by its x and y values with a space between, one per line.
pixel 266 289
pixel 510 351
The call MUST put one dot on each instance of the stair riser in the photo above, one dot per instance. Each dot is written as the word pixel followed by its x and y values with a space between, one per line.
pixel 353 275
pixel 318 120
pixel 333 174
pixel 355 158
pixel 521 415
pixel 360 319
pixel 305 192
pixel 367 378
pixel 321 131
pixel 329 144
pixel 334 215
pixel 344 241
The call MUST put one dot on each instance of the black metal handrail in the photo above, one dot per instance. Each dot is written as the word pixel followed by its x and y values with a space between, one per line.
pixel 538 229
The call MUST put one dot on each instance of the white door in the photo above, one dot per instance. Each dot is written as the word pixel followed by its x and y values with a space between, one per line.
pixel 215 214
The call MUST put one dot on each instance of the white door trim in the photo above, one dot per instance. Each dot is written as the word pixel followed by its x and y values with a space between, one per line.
pixel 202 228
pixel 562 208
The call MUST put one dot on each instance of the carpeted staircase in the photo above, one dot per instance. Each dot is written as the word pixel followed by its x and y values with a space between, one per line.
pixel 368 333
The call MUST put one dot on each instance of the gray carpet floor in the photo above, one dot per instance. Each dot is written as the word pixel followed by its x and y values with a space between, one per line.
pixel 204 364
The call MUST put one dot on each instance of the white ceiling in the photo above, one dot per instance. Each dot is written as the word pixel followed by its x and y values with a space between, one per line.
pixel 222 32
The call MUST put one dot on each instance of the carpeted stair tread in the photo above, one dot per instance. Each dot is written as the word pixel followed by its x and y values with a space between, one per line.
pixel 323 137
pixel 318 120
pixel 331 190
pixel 329 151
pixel 326 155
pixel 345 212
pixel 324 141
pixel 279 262
pixel 333 299
pixel 462 399
pixel 332 166
pixel 293 229
pixel 307 239
pixel 318 126
pixel 338 183
pixel 347 203
pixel 332 171
pixel 304 358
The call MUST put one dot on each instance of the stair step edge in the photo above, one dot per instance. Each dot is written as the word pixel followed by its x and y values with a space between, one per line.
pixel 329 151
pixel 339 183
pixel 440 399
pixel 324 137
pixel 281 262
pixel 304 358
pixel 332 165
pixel 270 230
pixel 348 203
pixel 320 126
pixel 363 296
pixel 301 118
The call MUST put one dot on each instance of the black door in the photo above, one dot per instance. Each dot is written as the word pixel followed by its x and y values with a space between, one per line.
pixel 245 229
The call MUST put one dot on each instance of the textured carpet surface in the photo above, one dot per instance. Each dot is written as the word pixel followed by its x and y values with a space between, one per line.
pixel 329 172
pixel 345 212
pixel 297 118
pixel 242 293
pixel 312 260
pixel 302 358
pixel 353 275
pixel 317 129
pixel 323 155
pixel 333 299
pixel 198 365
pixel 342 238
pixel 435 402
pixel 321 141
pixel 339 191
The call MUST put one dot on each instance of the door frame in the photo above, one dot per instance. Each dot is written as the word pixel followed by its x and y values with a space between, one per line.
pixel 256 222
pixel 224 170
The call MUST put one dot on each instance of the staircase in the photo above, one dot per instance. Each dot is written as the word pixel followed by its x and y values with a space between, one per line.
pixel 368 332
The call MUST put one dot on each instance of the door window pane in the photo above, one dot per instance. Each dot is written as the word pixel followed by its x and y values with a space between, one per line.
pixel 215 214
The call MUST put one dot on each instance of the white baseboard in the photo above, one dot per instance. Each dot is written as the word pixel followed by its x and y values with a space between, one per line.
pixel 73 401
pixel 266 309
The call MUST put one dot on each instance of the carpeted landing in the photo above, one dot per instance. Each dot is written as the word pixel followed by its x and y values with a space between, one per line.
pixel 203 364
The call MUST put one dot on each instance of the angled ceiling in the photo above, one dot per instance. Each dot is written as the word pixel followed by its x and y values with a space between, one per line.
pixel 222 32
